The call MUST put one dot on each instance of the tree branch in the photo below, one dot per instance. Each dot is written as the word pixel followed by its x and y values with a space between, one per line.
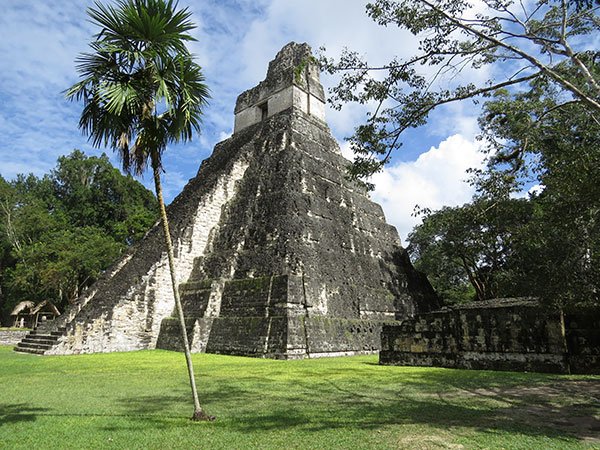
pixel 465 96
pixel 543 67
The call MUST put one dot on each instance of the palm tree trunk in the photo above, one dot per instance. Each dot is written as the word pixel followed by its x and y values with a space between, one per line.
pixel 199 414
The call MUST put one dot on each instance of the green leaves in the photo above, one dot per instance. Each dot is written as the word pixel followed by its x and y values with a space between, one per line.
pixel 140 87
pixel 143 25
pixel 61 263
pixel 538 137
pixel 141 91
pixel 547 246
pixel 533 40
pixel 59 232
pixel 467 251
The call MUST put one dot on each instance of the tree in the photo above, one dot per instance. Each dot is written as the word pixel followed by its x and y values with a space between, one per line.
pixel 6 259
pixel 141 91
pixel 31 212
pixel 554 245
pixel 61 263
pixel 93 193
pixel 468 251
pixel 27 211
pixel 60 231
pixel 541 39
pixel 535 137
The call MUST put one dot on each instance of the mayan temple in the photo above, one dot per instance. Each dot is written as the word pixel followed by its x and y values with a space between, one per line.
pixel 277 253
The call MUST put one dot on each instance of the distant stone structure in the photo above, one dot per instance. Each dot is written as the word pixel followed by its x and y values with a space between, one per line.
pixel 11 337
pixel 501 334
pixel 277 253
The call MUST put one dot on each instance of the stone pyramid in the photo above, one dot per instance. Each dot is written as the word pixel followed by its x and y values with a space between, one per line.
pixel 278 254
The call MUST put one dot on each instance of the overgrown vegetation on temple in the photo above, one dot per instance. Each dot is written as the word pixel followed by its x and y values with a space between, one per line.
pixel 60 231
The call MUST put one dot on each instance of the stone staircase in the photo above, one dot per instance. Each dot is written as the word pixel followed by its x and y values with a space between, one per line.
pixel 39 342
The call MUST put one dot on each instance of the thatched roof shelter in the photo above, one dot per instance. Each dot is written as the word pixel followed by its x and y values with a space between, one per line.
pixel 22 306
pixel 48 305
pixel 28 314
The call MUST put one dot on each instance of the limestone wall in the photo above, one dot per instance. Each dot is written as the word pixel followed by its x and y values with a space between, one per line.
pixel 266 317
pixel 275 102
pixel 292 81
pixel 12 337
pixel 499 335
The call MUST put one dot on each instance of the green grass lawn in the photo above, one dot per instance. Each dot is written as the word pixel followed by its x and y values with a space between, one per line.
pixel 142 400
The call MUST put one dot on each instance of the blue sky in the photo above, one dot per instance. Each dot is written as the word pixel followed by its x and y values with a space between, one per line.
pixel 236 40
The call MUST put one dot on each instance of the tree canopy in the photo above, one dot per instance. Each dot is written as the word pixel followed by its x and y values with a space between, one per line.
pixel 536 138
pixel 547 245
pixel 468 251
pixel 60 231
pixel 545 40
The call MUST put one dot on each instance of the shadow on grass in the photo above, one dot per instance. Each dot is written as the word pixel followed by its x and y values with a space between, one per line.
pixel 530 410
pixel 164 411
pixel 19 412
pixel 537 405
pixel 312 414
pixel 152 404
pixel 141 418
pixel 167 404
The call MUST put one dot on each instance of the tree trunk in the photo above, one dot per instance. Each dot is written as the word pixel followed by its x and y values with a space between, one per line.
pixel 479 287
pixel 199 414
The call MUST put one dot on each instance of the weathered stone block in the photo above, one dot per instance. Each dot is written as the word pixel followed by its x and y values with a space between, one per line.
pixel 507 334
pixel 12 337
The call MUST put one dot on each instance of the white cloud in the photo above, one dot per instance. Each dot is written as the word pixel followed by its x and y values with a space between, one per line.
pixel 347 151
pixel 455 118
pixel 529 191
pixel 236 40
pixel 223 136
pixel 435 179
pixel 536 189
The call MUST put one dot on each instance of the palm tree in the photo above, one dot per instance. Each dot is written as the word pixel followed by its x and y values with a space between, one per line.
pixel 141 91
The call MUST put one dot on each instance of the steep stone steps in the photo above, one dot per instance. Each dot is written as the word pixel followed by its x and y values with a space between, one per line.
pixel 35 351
pixel 43 340
pixel 39 342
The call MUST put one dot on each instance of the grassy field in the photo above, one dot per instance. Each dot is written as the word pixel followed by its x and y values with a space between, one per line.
pixel 141 400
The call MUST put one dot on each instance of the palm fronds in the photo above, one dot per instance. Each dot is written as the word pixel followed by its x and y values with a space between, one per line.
pixel 140 86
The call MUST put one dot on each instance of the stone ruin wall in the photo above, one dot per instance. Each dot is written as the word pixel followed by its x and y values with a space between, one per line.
pixel 511 335
pixel 11 337
pixel 254 322
pixel 277 102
